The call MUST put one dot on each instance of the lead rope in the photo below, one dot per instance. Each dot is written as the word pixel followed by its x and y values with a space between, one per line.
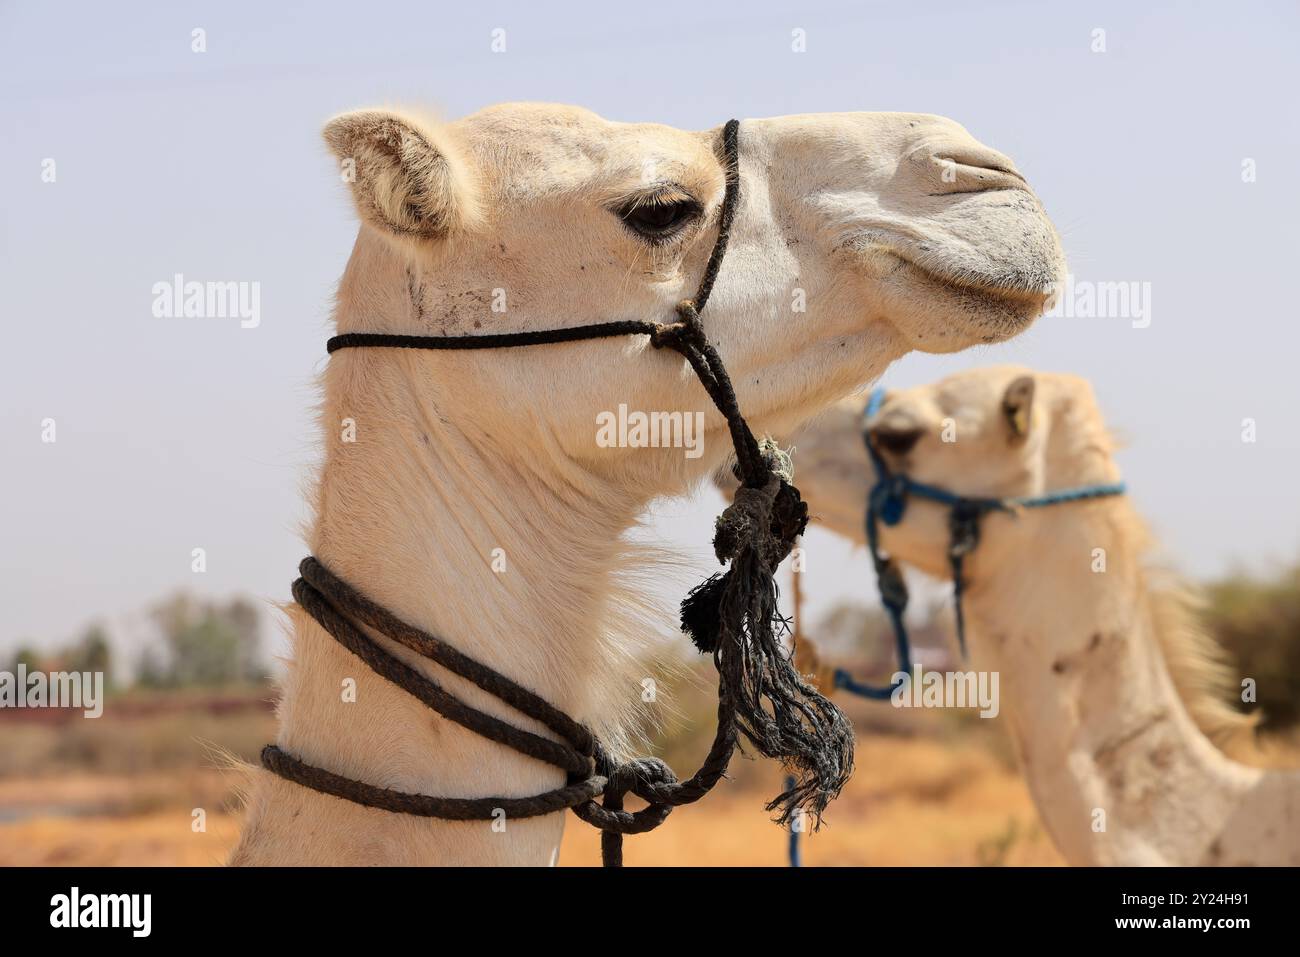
pixel 732 616
pixel 806 663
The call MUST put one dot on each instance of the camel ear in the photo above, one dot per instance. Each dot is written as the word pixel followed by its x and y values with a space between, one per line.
pixel 1017 406
pixel 407 177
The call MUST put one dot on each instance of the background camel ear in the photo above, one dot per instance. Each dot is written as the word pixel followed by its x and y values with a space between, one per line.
pixel 1017 406
pixel 407 177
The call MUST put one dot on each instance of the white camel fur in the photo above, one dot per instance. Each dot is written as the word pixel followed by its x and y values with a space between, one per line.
pixel 475 502
pixel 1115 700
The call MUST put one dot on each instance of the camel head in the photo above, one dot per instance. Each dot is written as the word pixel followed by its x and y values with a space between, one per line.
pixel 859 236
pixel 997 432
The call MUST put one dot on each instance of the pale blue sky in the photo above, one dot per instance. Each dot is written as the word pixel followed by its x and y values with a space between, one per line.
pixel 177 433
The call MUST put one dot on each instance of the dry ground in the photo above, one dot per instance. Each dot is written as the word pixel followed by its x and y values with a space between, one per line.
pixel 930 790
pixel 921 805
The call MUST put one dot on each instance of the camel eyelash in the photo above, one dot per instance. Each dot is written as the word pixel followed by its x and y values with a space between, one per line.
pixel 666 194
pixel 659 215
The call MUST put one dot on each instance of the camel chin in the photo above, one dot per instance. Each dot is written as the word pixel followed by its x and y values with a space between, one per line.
pixel 947 315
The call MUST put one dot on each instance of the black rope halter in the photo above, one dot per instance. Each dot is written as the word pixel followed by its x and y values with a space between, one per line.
pixel 760 696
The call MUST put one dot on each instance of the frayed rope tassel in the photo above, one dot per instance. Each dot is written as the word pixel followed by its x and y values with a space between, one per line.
pixel 734 616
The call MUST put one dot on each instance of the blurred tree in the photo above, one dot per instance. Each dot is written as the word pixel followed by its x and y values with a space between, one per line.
pixel 1257 621
pixel 25 655
pixel 208 643
pixel 244 619
pixel 151 672
pixel 204 643
pixel 92 653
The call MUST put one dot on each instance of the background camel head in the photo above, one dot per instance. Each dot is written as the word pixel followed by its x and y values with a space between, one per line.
pixel 996 432
pixel 859 236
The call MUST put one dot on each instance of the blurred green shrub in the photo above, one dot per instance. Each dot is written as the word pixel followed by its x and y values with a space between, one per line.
pixel 1257 621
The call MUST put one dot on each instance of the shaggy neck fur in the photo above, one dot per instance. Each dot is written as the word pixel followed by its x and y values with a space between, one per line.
pixel 1104 735
pixel 413 514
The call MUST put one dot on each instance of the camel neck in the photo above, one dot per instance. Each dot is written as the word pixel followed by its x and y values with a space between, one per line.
pixel 458 538
pixel 510 561
pixel 1118 768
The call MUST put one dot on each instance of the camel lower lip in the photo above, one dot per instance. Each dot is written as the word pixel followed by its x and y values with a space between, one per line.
pixel 1016 296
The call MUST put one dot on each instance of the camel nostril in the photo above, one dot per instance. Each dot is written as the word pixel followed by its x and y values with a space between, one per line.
pixel 894 439
pixel 973 172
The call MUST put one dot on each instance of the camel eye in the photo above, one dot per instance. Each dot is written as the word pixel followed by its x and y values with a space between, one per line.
pixel 895 441
pixel 659 219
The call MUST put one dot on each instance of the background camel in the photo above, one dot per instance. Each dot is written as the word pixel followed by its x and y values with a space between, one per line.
pixel 1111 693
pixel 474 501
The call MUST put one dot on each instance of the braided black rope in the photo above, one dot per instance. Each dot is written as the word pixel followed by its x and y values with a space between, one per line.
pixel 801 728
pixel 336 606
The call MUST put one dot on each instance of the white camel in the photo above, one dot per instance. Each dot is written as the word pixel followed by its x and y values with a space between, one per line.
pixel 466 491
pixel 1115 700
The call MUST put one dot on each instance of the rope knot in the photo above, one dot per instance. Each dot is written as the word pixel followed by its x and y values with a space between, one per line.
pixel 766 520
pixel 668 335
pixel 746 521
pixel 685 332
pixel 964 529
pixel 889 498
pixel 648 778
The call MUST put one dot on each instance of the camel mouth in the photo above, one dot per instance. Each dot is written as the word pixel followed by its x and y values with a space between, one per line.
pixel 1020 289
pixel 980 270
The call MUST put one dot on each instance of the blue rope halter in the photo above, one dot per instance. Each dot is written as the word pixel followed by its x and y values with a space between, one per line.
pixel 887 501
